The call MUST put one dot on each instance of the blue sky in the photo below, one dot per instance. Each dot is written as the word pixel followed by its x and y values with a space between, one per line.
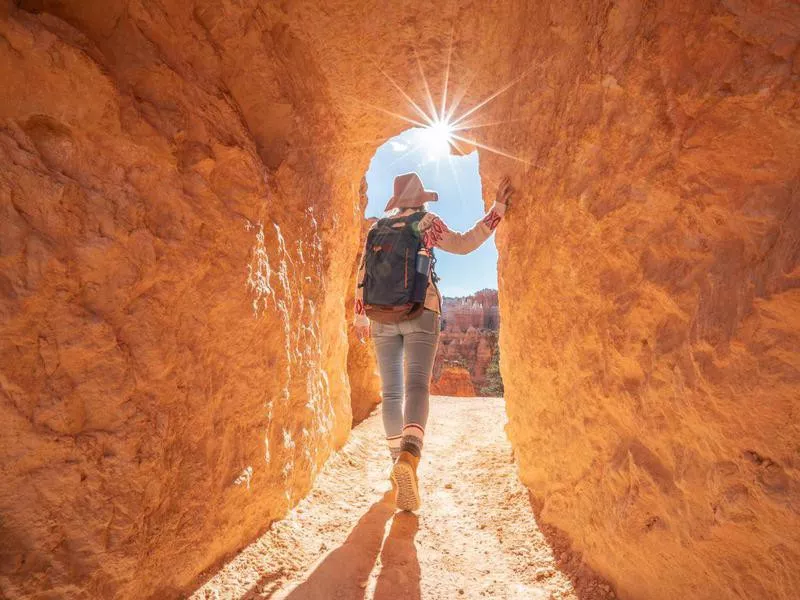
pixel 459 205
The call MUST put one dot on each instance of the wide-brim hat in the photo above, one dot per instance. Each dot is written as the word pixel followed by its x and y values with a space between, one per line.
pixel 409 193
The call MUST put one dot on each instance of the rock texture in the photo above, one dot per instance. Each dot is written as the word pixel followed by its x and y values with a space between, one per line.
pixel 173 346
pixel 650 292
pixel 179 193
pixel 362 370
pixel 468 341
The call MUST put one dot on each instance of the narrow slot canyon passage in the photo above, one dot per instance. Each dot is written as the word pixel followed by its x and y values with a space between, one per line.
pixel 182 201
pixel 475 536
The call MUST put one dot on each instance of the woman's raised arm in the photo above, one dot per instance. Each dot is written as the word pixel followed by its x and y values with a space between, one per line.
pixel 436 234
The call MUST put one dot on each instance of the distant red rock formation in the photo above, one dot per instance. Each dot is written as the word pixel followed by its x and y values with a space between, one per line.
pixel 454 381
pixel 478 310
pixel 468 340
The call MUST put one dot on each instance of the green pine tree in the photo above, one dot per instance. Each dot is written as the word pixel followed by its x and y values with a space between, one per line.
pixel 493 384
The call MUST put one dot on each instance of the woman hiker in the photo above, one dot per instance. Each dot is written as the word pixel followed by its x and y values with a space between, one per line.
pixel 398 304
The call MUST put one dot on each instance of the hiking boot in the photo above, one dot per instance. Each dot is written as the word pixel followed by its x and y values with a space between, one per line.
pixel 390 495
pixel 404 476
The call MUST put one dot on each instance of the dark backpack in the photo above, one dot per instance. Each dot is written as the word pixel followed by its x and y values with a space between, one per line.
pixel 394 286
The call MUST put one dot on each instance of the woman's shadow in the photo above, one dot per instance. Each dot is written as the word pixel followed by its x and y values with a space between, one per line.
pixel 344 573
pixel 400 572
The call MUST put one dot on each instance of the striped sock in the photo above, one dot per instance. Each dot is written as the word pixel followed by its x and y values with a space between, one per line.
pixel 394 442
pixel 412 439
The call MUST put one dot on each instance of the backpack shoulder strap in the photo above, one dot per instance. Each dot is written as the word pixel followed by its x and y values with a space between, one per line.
pixel 413 219
pixel 416 217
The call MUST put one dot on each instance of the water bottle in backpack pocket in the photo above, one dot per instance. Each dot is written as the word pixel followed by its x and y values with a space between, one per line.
pixel 421 273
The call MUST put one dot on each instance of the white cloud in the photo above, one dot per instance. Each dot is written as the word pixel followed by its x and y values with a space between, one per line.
pixel 398 146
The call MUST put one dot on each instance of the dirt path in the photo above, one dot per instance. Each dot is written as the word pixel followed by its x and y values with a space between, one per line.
pixel 474 537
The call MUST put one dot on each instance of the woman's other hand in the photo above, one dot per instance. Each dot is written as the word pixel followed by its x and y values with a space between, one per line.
pixel 504 192
pixel 362 332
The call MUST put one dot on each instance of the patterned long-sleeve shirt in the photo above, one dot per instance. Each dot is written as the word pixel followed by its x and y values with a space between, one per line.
pixel 436 234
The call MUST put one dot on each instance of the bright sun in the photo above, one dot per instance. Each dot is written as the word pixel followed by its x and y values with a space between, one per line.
pixel 441 130
pixel 437 138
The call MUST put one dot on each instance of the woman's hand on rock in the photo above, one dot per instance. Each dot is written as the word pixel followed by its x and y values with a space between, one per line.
pixel 504 192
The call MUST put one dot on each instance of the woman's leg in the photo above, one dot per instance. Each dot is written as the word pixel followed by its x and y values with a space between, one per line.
pixel 389 351
pixel 421 340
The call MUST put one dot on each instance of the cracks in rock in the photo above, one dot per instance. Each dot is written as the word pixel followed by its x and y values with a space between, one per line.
pixel 212 42
pixel 17 54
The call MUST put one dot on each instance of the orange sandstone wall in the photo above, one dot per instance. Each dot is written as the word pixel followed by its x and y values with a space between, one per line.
pixel 172 277
pixel 362 368
pixel 179 186
pixel 650 291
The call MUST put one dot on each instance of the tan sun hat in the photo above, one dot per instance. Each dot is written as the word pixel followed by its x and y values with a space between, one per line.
pixel 409 193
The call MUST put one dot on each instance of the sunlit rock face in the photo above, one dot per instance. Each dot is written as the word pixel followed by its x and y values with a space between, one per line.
pixel 362 368
pixel 173 342
pixel 650 291
pixel 179 186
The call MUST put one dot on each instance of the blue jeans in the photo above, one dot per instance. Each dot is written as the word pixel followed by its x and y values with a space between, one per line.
pixel 415 341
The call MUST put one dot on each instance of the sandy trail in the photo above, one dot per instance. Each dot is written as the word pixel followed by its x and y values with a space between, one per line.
pixel 474 537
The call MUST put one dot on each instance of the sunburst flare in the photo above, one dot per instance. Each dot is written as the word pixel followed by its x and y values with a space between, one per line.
pixel 442 131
